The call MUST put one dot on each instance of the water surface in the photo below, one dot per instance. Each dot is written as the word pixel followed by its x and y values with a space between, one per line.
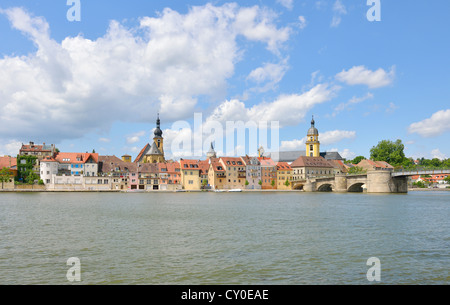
pixel 224 238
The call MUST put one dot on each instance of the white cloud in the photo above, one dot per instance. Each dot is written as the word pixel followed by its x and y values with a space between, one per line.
pixel 104 140
pixel 136 137
pixel 326 138
pixel 302 22
pixel 360 75
pixel 10 148
pixel 289 4
pixel 346 153
pixel 293 145
pixel 354 100
pixel 339 10
pixel 391 108
pixel 436 125
pixel 436 153
pixel 335 136
pixel 286 109
pixel 80 85
pixel 268 76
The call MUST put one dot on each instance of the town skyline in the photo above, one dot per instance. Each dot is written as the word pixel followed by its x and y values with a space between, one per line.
pixel 82 87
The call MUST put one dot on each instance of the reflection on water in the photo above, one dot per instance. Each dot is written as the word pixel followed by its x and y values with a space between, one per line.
pixel 224 238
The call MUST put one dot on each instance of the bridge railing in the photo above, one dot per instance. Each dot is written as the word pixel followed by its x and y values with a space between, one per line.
pixel 426 171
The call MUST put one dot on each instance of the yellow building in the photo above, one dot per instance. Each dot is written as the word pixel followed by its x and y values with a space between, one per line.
pixel 312 141
pixel 216 174
pixel 235 172
pixel 284 173
pixel 190 175
pixel 126 158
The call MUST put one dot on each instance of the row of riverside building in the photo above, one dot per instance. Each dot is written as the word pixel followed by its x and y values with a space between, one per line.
pixel 150 171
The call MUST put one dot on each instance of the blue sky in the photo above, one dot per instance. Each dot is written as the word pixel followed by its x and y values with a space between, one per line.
pixel 98 83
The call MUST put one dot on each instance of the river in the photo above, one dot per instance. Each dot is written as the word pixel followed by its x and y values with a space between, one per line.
pixel 266 238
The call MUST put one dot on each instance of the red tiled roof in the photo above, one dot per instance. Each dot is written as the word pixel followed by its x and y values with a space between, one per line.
pixel 232 161
pixel 375 164
pixel 141 153
pixel 283 166
pixel 74 158
pixel 189 164
pixel 215 164
pixel 7 162
pixel 29 148
pixel 204 167
pixel 266 161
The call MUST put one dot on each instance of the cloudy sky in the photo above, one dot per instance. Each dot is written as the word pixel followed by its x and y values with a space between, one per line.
pixel 98 83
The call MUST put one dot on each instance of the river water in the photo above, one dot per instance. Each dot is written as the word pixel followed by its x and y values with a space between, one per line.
pixel 225 238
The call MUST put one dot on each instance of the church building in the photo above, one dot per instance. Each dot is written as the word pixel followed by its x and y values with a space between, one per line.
pixel 153 153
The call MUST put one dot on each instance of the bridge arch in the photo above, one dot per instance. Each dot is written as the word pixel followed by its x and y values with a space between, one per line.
pixel 325 187
pixel 298 186
pixel 356 187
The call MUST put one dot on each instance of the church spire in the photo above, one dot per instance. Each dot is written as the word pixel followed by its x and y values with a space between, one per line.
pixel 158 131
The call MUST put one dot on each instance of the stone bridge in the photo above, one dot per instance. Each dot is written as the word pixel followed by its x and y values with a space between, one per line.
pixel 376 181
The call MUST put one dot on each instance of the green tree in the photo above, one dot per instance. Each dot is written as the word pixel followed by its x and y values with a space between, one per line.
pixel 447 179
pixel 31 177
pixel 435 162
pixel 246 182
pixel 419 184
pixel 408 163
pixel 356 170
pixel 446 163
pixel 287 183
pixel 357 160
pixel 5 175
pixel 273 183
pixel 260 182
pixel 388 151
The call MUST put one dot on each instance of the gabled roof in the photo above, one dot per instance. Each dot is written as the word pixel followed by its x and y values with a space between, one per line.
pixel 232 161
pixel 305 161
pixel 142 153
pixel 80 158
pixel 204 167
pixel 36 148
pixel 338 164
pixel 154 150
pixel 189 164
pixel 107 164
pixel 216 166
pixel 375 164
pixel 283 166
pixel 265 161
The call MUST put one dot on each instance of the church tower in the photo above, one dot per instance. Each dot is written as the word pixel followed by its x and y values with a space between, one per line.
pixel 312 141
pixel 154 153
pixel 158 139
pixel 211 153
